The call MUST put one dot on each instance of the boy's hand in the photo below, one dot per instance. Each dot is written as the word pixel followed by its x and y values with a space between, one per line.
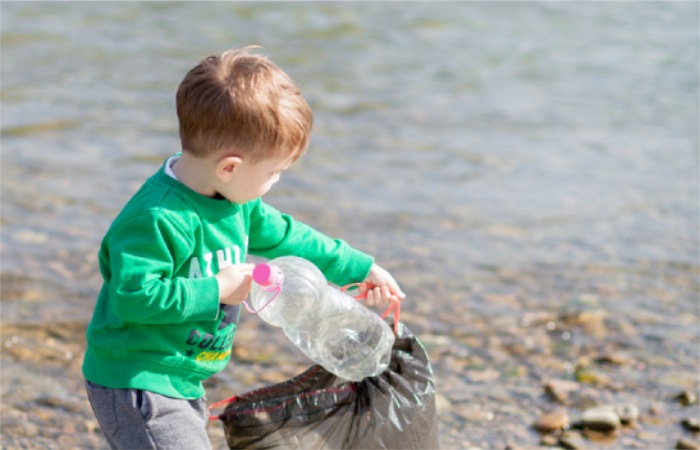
pixel 383 288
pixel 234 283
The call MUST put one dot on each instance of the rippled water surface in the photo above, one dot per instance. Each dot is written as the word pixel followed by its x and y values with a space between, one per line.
pixel 527 170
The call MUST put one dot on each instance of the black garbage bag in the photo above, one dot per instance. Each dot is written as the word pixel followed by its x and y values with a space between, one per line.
pixel 317 410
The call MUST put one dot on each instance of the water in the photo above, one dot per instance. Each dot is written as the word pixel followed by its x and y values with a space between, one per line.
pixel 514 164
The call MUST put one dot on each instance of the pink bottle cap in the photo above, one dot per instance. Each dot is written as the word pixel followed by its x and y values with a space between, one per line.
pixel 266 275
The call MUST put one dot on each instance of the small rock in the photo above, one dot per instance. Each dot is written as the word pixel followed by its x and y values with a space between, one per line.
pixel 628 413
pixel 593 322
pixel 559 390
pixel 656 409
pixel 549 440
pixel 600 418
pixel 471 414
pixel 590 376
pixel 91 426
pixel 691 425
pixel 554 420
pixel 572 440
pixel 687 444
pixel 614 359
pixel 686 398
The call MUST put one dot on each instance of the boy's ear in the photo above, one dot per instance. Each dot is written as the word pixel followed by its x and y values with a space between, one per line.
pixel 227 166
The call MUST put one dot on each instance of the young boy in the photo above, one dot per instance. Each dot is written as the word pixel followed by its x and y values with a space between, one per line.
pixel 173 261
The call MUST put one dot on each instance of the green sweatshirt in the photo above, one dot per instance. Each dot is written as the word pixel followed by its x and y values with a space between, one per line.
pixel 158 324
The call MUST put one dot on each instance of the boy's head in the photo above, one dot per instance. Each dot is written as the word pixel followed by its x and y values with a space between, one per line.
pixel 242 103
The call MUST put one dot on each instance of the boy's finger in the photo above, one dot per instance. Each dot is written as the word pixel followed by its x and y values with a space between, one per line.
pixel 386 293
pixel 396 290
pixel 370 300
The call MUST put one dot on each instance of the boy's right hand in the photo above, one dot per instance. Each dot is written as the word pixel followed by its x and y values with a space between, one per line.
pixel 234 283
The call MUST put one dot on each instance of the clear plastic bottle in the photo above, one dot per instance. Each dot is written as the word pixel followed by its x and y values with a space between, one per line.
pixel 328 325
pixel 303 290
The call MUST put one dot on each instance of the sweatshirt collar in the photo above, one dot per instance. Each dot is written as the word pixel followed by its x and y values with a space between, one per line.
pixel 171 180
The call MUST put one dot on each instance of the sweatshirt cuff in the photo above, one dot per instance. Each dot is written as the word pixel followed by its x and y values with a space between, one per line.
pixel 356 268
pixel 204 299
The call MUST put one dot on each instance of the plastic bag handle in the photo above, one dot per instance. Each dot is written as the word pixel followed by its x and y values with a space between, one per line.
pixel 219 403
pixel 395 307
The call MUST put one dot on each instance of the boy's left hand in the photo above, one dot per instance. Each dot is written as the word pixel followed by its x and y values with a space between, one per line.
pixel 382 288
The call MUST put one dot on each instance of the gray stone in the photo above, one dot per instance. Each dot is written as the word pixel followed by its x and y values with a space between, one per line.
pixel 691 425
pixel 600 418
pixel 628 413
pixel 687 398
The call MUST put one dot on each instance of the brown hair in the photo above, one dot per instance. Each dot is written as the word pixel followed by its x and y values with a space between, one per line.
pixel 244 102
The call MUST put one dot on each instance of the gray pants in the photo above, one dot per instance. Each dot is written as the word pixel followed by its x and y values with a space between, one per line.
pixel 136 419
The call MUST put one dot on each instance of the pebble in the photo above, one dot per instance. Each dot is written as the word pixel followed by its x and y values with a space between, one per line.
pixel 473 413
pixel 553 420
pixel 687 398
pixel 614 359
pixel 549 440
pixel 628 413
pixel 591 376
pixel 656 409
pixel 691 425
pixel 572 440
pixel 592 321
pixel 687 444
pixel 600 418
pixel 91 426
pixel 559 390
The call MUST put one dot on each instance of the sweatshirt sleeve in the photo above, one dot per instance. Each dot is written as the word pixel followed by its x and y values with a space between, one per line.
pixel 143 255
pixel 274 234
